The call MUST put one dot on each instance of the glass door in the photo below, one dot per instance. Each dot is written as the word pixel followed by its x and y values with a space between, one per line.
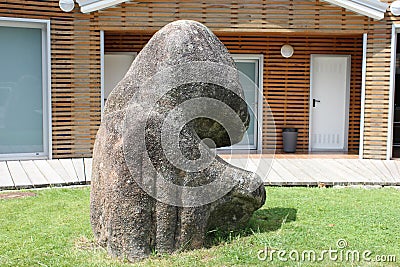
pixel 250 76
pixel 23 92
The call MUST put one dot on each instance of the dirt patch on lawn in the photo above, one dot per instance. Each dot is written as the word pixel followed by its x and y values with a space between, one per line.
pixel 12 195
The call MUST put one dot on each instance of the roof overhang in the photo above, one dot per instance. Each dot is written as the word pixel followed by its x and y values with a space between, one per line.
pixel 88 6
pixel 371 8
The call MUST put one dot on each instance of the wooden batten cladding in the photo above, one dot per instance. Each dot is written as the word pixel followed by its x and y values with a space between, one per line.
pixel 255 26
pixel 376 125
pixel 286 81
pixel 254 16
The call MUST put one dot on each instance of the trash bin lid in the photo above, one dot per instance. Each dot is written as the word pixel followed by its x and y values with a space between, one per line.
pixel 289 129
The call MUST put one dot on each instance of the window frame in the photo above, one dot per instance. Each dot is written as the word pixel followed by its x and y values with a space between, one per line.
pixel 44 25
pixel 258 126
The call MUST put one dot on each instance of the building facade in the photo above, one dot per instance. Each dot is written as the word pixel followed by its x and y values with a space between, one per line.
pixel 337 88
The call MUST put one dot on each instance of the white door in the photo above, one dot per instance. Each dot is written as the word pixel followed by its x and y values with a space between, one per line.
pixel 329 102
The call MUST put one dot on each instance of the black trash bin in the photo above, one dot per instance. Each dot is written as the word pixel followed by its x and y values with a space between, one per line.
pixel 289 139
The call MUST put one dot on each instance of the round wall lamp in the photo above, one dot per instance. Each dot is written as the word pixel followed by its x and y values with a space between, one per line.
pixel 395 8
pixel 287 51
pixel 66 5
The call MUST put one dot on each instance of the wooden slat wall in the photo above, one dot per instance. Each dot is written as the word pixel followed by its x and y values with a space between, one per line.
pixel 76 54
pixel 87 94
pixel 75 70
pixel 377 90
pixel 232 16
pixel 286 81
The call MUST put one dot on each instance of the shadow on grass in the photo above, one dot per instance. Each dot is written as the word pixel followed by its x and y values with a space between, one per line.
pixel 266 220
pixel 263 220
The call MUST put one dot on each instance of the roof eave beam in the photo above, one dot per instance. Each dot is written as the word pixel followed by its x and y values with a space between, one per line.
pixel 98 5
pixel 372 9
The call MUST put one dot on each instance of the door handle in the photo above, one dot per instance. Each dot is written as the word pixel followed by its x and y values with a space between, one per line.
pixel 315 101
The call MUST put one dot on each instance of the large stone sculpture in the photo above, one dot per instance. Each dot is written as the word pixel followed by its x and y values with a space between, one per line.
pixel 157 183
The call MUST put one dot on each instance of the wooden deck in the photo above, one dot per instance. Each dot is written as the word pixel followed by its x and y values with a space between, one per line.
pixel 316 171
pixel 280 171
pixel 43 173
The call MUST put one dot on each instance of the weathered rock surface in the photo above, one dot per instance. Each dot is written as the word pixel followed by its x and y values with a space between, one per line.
pixel 149 158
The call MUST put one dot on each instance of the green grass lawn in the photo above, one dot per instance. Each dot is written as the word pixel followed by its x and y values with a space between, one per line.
pixel 53 229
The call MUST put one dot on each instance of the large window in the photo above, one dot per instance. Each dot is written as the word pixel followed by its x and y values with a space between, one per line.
pixel 250 68
pixel 116 65
pixel 24 89
pixel 396 108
